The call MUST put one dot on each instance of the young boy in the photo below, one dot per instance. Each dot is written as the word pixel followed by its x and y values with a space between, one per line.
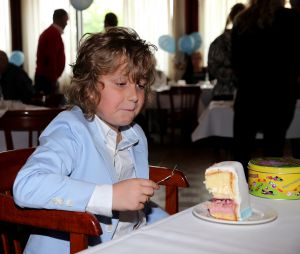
pixel 92 157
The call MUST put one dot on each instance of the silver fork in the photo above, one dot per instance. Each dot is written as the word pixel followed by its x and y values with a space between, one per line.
pixel 169 176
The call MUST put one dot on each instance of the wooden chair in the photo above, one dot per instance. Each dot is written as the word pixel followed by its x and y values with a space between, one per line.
pixel 26 120
pixel 183 110
pixel 78 224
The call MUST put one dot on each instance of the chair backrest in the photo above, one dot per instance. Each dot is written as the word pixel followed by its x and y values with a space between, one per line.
pixel 26 120
pixel 78 224
pixel 181 111
pixel 172 180
pixel 185 99
pixel 56 100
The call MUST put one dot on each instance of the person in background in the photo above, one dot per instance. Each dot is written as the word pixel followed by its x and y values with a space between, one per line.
pixel 110 20
pixel 195 71
pixel 93 157
pixel 50 59
pixel 15 83
pixel 219 60
pixel 265 56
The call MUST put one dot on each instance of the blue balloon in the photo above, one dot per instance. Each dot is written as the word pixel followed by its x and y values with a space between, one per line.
pixel 81 5
pixel 197 39
pixel 186 44
pixel 17 58
pixel 167 43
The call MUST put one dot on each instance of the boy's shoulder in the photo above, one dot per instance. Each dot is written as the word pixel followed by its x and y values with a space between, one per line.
pixel 72 117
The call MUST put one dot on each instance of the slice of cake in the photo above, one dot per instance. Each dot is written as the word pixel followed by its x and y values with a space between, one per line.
pixel 230 195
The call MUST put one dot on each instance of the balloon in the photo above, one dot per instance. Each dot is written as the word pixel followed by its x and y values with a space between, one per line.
pixel 167 43
pixel 81 5
pixel 186 44
pixel 17 58
pixel 197 39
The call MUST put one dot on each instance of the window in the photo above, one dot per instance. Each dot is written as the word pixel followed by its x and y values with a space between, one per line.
pixel 141 15
pixel 93 17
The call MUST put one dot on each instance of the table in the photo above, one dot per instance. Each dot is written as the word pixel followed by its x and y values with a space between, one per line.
pixel 20 138
pixel 205 97
pixel 185 233
pixel 217 120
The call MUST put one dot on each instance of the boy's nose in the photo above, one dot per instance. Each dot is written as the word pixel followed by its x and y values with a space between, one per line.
pixel 132 93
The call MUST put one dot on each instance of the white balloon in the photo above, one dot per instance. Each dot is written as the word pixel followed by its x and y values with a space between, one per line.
pixel 81 5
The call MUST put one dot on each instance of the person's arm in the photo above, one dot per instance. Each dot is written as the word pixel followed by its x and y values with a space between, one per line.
pixel 126 195
pixel 56 57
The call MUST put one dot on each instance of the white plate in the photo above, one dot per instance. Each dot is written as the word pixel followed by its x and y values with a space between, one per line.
pixel 260 214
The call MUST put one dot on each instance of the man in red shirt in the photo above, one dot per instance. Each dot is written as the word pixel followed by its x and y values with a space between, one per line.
pixel 50 61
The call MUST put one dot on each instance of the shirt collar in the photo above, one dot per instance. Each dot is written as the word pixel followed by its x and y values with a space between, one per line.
pixel 129 137
pixel 58 28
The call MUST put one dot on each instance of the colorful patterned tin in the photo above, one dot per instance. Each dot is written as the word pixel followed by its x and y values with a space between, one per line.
pixel 274 178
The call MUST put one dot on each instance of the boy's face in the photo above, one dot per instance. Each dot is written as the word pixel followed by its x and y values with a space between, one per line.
pixel 121 99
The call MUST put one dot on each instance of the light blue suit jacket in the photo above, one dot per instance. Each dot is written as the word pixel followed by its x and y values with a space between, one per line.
pixel 65 168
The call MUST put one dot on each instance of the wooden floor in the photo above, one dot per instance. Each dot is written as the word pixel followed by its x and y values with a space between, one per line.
pixel 192 159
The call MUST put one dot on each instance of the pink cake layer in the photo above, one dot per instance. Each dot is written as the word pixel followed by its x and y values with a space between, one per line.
pixel 223 209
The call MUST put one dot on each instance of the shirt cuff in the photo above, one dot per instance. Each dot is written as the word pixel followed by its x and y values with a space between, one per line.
pixel 101 201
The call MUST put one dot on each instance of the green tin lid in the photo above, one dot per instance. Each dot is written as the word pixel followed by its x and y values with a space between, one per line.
pixel 282 165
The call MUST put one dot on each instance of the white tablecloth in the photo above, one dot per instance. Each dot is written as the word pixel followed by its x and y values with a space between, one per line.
pixel 20 138
pixel 217 120
pixel 185 233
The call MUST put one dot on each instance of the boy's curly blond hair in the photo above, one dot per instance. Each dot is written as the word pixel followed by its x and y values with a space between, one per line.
pixel 102 54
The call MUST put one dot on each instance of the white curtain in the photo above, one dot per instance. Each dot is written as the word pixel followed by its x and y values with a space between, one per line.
pixel 5 28
pixel 151 19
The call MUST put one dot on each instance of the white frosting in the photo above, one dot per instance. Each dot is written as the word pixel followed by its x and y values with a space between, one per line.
pixel 241 185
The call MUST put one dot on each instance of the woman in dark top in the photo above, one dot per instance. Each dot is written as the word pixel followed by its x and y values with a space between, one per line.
pixel 219 59
pixel 266 58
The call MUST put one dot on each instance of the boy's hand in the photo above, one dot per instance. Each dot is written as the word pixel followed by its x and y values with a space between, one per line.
pixel 132 194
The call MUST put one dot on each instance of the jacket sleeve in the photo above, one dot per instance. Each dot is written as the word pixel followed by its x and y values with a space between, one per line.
pixel 46 181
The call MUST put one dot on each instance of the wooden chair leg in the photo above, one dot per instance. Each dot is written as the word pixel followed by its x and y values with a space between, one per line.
pixel 5 243
pixel 171 199
pixel 78 242
pixel 17 246
pixel 9 141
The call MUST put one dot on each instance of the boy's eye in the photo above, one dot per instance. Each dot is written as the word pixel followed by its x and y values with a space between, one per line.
pixel 141 86
pixel 121 84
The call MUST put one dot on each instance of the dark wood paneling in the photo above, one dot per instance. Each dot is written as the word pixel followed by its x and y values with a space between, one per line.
pixel 191 16
pixel 16 36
